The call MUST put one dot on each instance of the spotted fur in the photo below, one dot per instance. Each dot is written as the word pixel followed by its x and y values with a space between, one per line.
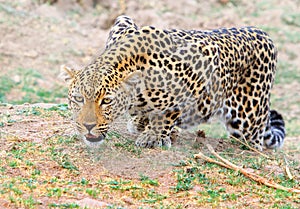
pixel 164 78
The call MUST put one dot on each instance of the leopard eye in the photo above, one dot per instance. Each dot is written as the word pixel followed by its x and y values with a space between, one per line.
pixel 78 99
pixel 106 101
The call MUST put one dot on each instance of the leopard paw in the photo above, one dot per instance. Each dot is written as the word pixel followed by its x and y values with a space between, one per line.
pixel 150 140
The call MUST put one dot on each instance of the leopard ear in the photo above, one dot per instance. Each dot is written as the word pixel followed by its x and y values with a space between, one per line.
pixel 131 80
pixel 66 74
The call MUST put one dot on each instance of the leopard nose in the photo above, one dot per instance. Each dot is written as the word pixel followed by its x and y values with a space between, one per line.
pixel 89 127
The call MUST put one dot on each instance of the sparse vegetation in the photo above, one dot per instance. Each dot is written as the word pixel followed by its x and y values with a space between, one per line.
pixel 28 83
pixel 44 165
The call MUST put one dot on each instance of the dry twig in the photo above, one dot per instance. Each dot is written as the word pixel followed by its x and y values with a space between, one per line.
pixel 249 147
pixel 287 169
pixel 225 163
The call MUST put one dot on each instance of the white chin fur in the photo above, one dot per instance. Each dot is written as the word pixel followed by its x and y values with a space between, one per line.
pixel 92 144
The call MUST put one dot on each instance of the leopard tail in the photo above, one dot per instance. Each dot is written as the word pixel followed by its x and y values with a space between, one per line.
pixel 275 134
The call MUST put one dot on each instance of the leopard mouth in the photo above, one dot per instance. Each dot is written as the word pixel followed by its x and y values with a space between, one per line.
pixel 93 138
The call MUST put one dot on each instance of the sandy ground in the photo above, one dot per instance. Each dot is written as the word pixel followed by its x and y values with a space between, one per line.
pixel 43 37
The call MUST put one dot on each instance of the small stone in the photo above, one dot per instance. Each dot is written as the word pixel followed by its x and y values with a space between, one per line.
pixel 91 203
pixel 128 200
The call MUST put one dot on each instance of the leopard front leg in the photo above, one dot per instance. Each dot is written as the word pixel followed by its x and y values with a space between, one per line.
pixel 137 124
pixel 157 132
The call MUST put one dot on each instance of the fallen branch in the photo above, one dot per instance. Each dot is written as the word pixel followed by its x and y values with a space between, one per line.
pixel 249 147
pixel 225 163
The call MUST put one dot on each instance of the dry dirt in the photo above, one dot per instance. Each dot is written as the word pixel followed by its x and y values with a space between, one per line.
pixel 43 37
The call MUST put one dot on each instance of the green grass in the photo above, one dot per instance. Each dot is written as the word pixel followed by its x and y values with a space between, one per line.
pixel 26 168
pixel 6 85
pixel 61 109
pixel 93 192
pixel 28 87
pixel 213 196
pixel 146 180
pixel 125 144
pixel 56 192
pixel 153 197
pixel 291 18
pixel 185 180
pixel 64 205
pixel 9 8
pixel 62 159
pixel 286 73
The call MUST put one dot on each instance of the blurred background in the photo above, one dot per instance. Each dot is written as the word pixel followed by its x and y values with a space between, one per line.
pixel 37 36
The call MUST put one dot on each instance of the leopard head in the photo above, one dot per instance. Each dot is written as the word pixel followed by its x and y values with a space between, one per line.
pixel 97 97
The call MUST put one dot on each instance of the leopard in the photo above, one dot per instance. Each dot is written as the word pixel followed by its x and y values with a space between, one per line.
pixel 168 78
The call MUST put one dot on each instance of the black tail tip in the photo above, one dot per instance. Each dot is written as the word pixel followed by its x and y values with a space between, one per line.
pixel 275 139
